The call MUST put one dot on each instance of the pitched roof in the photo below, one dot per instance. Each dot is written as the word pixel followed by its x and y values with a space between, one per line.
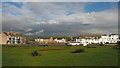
pixel 90 36
pixel 113 34
pixel 59 38
pixel 12 33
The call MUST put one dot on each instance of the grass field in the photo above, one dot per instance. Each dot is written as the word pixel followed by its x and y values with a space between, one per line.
pixel 99 56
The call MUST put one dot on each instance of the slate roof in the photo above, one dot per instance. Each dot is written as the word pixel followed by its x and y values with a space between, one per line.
pixel 12 33
pixel 90 36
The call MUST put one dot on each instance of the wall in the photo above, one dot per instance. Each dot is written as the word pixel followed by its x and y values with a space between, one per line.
pixel 3 38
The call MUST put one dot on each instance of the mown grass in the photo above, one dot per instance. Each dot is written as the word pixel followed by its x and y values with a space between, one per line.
pixel 99 56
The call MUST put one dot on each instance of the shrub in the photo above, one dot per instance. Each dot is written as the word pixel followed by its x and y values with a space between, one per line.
pixel 78 51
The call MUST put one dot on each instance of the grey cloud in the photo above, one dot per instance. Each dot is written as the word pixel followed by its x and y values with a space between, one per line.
pixel 51 19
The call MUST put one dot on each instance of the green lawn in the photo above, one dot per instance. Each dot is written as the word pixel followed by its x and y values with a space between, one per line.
pixel 99 56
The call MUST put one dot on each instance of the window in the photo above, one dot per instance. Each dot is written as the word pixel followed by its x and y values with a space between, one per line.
pixel 13 41
pixel 13 38
pixel 9 38
pixel 109 35
pixel 18 41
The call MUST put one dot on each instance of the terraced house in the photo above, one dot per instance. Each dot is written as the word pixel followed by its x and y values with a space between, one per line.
pixel 98 39
pixel 12 38
pixel 45 40
pixel 60 40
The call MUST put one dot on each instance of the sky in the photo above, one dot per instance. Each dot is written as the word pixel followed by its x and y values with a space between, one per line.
pixel 60 18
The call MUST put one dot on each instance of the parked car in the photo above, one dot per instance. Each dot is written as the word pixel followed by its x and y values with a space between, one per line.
pixel 44 45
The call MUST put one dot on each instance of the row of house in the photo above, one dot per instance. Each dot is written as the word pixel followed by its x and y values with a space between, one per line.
pixel 18 38
pixel 9 37
pixel 12 38
pixel 51 40
pixel 98 39
pixel 84 40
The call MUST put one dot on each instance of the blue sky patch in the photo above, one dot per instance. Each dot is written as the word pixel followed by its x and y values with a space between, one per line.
pixel 17 4
pixel 100 6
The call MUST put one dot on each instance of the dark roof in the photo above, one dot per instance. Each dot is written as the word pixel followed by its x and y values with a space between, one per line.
pixel 113 34
pixel 13 33
pixel 91 35
pixel 59 38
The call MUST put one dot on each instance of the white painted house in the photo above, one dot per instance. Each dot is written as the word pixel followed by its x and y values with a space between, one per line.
pixel 60 40
pixel 109 39
pixel 44 40
pixel 98 39
pixel 12 38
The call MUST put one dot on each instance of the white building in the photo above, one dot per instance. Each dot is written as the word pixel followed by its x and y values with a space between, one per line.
pixel 44 40
pixel 60 40
pixel 109 39
pixel 12 38
pixel 98 39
